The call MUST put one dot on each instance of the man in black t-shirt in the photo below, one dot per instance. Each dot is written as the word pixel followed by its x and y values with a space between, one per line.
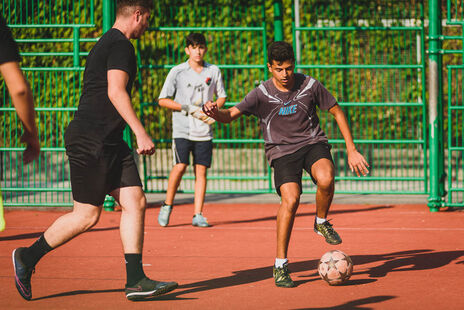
pixel 101 162
pixel 286 108
pixel 21 96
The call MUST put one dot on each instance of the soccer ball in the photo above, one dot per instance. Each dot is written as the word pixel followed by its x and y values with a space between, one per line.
pixel 335 267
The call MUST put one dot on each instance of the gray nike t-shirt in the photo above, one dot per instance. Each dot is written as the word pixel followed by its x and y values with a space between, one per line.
pixel 288 120
pixel 186 86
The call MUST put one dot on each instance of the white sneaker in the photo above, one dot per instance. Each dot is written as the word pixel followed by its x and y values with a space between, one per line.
pixel 164 214
pixel 199 220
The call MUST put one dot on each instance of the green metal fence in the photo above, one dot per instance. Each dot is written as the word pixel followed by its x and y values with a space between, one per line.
pixel 48 34
pixel 372 58
pixel 455 108
pixel 370 54
pixel 236 38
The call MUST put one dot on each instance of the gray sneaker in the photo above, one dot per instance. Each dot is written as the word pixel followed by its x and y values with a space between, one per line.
pixel 164 214
pixel 199 220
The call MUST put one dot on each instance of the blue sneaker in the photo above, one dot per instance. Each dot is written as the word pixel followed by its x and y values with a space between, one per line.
pixel 164 214
pixel 199 220
pixel 22 275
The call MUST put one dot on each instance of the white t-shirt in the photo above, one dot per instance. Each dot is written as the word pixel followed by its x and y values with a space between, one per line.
pixel 186 86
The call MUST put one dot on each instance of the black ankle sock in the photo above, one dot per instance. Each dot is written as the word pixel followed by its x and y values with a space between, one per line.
pixel 134 268
pixel 31 255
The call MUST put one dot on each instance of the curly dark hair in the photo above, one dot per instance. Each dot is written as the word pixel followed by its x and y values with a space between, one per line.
pixel 280 51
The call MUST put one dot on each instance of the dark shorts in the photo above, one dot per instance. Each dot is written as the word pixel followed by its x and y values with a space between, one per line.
pixel 289 168
pixel 97 170
pixel 202 151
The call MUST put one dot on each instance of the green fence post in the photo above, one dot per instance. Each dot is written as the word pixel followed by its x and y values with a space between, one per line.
pixel 435 135
pixel 278 21
pixel 108 14
pixel 76 49
pixel 108 20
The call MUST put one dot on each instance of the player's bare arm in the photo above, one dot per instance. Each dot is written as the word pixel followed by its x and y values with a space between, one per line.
pixel 220 102
pixel 356 161
pixel 21 96
pixel 170 104
pixel 221 115
pixel 117 80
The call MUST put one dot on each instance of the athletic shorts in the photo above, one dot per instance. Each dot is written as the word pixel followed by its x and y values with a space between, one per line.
pixel 202 151
pixel 97 170
pixel 289 168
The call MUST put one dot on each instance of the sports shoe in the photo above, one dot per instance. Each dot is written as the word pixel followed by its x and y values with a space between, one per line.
pixel 282 276
pixel 22 275
pixel 164 214
pixel 147 288
pixel 199 220
pixel 325 229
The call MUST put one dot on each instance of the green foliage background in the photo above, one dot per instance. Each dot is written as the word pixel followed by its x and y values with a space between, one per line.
pixel 158 50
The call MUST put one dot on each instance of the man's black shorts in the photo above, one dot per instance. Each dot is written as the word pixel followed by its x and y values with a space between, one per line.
pixel 202 151
pixel 289 168
pixel 97 170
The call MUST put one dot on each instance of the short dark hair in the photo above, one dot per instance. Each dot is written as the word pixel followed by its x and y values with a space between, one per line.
pixel 280 51
pixel 195 39
pixel 122 5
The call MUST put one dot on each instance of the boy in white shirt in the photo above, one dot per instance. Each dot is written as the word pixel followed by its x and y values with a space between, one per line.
pixel 188 86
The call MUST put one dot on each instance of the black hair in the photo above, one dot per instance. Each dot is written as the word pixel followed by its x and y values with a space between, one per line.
pixel 121 5
pixel 195 39
pixel 280 51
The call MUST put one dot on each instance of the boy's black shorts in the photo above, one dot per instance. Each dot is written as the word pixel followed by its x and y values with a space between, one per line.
pixel 202 151
pixel 97 170
pixel 289 168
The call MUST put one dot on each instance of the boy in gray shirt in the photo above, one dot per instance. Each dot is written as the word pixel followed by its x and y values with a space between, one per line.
pixel 188 86
pixel 293 139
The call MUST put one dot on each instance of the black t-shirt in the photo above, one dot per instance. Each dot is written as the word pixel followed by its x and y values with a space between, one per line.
pixel 96 118
pixel 288 120
pixel 8 48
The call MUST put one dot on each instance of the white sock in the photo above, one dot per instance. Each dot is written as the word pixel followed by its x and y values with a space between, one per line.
pixel 279 262
pixel 320 220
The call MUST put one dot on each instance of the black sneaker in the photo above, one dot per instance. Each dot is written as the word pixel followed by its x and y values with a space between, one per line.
pixel 325 229
pixel 147 288
pixel 22 275
pixel 282 276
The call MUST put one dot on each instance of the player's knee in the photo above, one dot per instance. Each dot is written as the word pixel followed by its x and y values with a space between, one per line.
pixel 89 220
pixel 326 182
pixel 291 202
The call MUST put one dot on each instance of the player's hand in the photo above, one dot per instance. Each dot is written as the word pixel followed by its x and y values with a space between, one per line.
pixel 210 108
pixel 32 150
pixel 357 163
pixel 145 145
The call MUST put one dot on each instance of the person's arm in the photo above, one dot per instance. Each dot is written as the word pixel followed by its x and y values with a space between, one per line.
pixel 117 81
pixel 221 115
pixel 220 102
pixel 356 161
pixel 21 96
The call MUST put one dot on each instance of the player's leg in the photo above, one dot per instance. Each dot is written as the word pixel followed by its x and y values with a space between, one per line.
pixel 88 179
pixel 320 165
pixel 181 152
pixel 287 179
pixel 202 155
pixel 175 176
pixel 133 205
pixel 324 175
pixel 290 200
pixel 82 218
